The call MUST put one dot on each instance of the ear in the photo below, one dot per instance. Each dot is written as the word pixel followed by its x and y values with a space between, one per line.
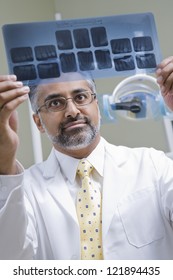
pixel 38 123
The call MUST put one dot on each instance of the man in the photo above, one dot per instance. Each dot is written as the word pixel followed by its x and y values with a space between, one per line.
pixel 38 217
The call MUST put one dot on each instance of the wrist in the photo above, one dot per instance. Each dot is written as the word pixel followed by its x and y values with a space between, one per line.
pixel 9 168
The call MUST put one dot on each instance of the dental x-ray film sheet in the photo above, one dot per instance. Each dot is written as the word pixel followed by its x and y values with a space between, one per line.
pixel 105 46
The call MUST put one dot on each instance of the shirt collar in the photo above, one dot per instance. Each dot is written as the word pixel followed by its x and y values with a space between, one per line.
pixel 69 164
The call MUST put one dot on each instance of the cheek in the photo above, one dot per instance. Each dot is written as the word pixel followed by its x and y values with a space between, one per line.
pixel 51 123
pixel 93 113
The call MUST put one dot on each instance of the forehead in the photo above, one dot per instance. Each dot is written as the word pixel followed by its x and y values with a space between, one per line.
pixel 63 87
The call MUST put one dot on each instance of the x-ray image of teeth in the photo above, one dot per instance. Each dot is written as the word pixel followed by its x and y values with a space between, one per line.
pixel 122 45
pixel 106 46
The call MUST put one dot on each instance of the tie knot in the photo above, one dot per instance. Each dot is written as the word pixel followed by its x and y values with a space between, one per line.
pixel 84 168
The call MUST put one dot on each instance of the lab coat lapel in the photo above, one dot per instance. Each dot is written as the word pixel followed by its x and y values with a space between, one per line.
pixel 57 186
pixel 114 183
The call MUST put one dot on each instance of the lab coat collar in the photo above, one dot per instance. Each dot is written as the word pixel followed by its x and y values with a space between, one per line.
pixel 50 166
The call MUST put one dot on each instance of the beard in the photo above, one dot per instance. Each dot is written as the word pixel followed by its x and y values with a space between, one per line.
pixel 78 138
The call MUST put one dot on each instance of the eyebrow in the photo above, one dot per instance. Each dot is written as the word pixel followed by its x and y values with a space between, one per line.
pixel 55 95
pixel 51 96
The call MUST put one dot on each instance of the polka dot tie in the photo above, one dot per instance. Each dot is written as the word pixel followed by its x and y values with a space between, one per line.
pixel 89 214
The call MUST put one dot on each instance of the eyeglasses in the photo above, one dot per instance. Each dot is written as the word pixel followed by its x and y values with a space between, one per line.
pixel 59 103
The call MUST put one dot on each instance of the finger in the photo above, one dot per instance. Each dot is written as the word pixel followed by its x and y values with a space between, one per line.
pixel 160 67
pixel 7 77
pixel 9 95
pixel 168 85
pixel 164 62
pixel 166 70
pixel 8 108
pixel 9 84
pixel 167 88
pixel 164 75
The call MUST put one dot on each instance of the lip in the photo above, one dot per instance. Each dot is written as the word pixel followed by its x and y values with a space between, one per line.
pixel 74 124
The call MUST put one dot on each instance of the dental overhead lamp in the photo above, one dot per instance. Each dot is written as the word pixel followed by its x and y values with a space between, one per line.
pixel 122 45
pixel 136 97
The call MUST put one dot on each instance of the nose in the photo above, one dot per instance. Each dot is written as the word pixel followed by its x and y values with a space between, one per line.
pixel 71 110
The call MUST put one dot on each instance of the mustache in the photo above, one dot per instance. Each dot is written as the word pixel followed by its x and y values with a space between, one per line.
pixel 71 119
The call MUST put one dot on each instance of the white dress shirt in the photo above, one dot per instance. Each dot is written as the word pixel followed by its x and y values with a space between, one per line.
pixel 69 166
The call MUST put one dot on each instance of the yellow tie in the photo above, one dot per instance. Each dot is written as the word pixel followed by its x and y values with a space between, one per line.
pixel 89 215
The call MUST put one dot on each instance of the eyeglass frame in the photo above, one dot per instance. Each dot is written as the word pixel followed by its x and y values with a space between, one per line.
pixel 93 95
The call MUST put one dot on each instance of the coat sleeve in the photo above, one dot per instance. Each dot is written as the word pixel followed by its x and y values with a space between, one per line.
pixel 18 238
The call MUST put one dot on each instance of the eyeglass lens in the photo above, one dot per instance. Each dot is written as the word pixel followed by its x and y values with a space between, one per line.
pixel 59 103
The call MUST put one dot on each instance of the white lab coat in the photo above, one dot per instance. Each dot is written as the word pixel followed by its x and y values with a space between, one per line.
pixel 137 210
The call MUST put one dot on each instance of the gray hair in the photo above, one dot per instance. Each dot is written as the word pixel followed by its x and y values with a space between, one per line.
pixel 33 95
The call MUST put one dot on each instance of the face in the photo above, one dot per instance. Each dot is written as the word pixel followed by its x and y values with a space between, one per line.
pixel 73 128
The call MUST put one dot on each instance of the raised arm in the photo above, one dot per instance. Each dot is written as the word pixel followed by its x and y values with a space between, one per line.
pixel 12 94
